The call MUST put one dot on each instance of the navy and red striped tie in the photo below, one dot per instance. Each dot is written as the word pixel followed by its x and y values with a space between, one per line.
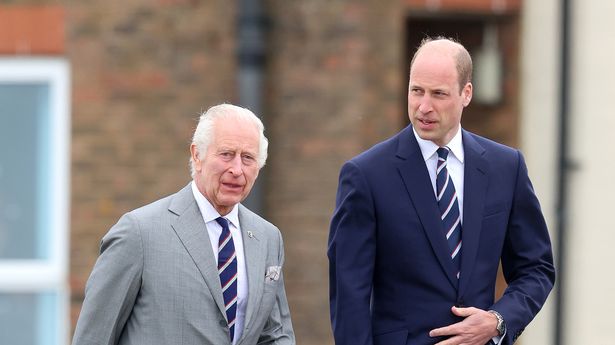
pixel 227 270
pixel 449 208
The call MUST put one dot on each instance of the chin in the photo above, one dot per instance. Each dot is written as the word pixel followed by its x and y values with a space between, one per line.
pixel 230 202
pixel 425 135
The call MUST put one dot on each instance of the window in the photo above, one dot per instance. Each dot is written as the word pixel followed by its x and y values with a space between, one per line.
pixel 34 189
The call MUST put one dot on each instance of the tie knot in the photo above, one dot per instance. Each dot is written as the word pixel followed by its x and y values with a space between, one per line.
pixel 443 152
pixel 223 222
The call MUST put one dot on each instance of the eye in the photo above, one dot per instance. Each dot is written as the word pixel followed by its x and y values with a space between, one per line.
pixel 248 159
pixel 227 155
pixel 416 91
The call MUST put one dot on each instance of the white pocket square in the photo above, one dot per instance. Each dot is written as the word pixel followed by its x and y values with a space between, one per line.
pixel 273 273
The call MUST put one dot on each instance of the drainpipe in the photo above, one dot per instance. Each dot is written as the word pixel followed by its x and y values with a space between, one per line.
pixel 251 64
pixel 565 166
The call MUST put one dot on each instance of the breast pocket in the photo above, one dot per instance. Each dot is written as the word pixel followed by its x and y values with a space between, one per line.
pixel 271 282
pixel 270 285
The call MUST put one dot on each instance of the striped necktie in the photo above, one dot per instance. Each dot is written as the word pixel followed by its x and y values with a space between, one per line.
pixel 227 269
pixel 449 208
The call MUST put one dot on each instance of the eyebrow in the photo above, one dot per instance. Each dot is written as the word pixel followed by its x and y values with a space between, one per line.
pixel 228 148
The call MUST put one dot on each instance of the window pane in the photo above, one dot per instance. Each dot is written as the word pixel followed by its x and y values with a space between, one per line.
pixel 24 133
pixel 28 319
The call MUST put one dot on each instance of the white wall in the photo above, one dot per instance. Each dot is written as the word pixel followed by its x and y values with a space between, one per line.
pixel 590 283
pixel 540 61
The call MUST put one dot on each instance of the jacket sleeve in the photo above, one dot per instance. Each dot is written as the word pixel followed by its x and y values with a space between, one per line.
pixel 113 286
pixel 351 252
pixel 527 260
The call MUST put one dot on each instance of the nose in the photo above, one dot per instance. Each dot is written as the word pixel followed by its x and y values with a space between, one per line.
pixel 236 167
pixel 425 105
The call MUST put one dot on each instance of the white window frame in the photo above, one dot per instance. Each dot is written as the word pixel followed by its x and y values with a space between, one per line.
pixel 51 273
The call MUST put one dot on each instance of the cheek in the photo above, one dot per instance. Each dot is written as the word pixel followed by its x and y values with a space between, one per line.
pixel 251 175
pixel 449 112
pixel 216 169
pixel 212 177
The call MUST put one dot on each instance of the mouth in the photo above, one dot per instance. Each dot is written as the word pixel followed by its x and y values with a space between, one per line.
pixel 426 122
pixel 232 186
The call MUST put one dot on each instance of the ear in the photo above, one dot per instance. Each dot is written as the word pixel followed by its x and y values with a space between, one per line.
pixel 466 93
pixel 194 154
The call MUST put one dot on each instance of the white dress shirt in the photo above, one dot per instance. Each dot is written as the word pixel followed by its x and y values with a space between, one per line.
pixel 214 230
pixel 454 163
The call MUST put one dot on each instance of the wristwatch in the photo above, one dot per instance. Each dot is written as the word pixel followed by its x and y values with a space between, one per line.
pixel 501 326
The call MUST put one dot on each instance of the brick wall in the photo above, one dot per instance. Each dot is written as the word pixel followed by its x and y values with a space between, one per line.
pixel 31 30
pixel 334 88
pixel 141 73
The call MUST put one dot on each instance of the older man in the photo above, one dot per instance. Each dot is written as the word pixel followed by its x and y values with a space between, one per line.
pixel 195 267
pixel 423 220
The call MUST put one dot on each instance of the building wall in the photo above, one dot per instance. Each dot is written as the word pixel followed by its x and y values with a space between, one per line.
pixel 539 119
pixel 335 87
pixel 588 281
pixel 142 72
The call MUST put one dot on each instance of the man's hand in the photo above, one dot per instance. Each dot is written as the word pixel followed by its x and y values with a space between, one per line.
pixel 477 328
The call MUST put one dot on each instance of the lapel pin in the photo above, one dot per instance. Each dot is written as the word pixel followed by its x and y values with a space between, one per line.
pixel 250 234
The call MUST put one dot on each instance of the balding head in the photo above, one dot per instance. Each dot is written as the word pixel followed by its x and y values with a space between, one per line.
pixel 448 47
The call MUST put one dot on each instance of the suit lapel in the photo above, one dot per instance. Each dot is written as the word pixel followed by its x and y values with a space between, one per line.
pixel 475 189
pixel 254 246
pixel 414 173
pixel 192 232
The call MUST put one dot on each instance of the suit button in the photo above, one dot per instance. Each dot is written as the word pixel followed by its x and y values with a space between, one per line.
pixel 223 323
pixel 460 304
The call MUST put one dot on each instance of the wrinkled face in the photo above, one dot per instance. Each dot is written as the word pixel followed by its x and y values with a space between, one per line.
pixel 434 101
pixel 226 172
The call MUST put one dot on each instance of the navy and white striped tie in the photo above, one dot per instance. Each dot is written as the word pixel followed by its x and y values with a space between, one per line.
pixel 449 208
pixel 227 269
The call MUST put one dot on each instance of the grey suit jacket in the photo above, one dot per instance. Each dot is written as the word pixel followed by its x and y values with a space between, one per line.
pixel 156 281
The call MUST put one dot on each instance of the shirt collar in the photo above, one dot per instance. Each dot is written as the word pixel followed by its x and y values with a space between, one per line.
pixel 208 212
pixel 429 148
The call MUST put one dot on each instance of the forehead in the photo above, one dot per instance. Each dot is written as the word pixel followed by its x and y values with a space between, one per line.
pixel 235 133
pixel 434 67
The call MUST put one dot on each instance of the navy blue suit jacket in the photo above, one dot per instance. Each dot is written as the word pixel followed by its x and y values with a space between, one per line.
pixel 391 277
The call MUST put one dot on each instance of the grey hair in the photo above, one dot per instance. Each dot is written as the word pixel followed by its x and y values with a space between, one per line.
pixel 203 134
